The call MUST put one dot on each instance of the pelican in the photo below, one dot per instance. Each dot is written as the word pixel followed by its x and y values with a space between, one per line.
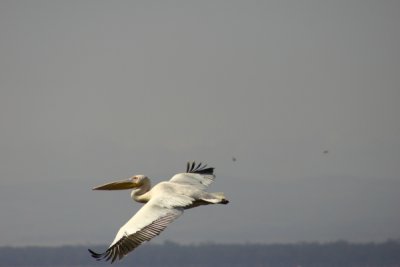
pixel 165 202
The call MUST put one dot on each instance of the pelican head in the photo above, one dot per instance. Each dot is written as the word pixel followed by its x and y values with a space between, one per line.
pixel 135 181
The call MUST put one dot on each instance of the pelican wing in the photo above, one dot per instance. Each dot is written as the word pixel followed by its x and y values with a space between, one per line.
pixel 147 223
pixel 198 176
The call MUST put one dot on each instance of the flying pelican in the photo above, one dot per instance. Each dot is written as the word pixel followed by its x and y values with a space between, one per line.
pixel 165 202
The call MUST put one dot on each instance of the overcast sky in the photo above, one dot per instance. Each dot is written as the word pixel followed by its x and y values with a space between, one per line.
pixel 304 94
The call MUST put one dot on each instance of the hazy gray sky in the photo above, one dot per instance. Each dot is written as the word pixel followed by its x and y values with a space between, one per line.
pixel 92 91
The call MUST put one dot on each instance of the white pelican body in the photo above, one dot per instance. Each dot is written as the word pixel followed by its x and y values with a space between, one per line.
pixel 164 203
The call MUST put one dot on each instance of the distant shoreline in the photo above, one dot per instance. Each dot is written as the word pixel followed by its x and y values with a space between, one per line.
pixel 339 253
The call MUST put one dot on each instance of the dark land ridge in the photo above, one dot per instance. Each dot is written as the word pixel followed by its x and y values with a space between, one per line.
pixel 170 254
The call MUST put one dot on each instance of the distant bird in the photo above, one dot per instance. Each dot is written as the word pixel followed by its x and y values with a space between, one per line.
pixel 165 202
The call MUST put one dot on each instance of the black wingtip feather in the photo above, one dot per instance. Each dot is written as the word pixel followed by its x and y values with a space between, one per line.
pixel 187 166
pixel 200 169
pixel 95 255
pixel 193 165
pixel 101 256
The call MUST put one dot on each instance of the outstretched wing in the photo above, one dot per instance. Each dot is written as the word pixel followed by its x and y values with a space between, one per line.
pixel 147 223
pixel 199 176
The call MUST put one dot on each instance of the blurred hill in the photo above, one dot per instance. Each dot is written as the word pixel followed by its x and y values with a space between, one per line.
pixel 171 254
